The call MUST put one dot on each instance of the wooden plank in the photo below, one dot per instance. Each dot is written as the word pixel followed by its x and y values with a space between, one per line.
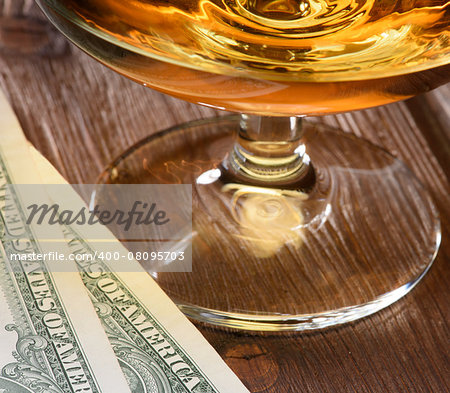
pixel 81 115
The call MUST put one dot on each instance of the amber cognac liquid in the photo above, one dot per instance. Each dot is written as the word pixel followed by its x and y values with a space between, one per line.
pixel 278 57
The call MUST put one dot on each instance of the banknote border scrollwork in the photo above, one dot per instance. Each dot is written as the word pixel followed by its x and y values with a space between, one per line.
pixel 29 319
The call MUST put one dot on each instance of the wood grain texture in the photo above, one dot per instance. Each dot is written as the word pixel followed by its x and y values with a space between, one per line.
pixel 81 115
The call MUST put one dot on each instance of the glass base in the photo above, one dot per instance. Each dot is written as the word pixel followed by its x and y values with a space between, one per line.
pixel 285 258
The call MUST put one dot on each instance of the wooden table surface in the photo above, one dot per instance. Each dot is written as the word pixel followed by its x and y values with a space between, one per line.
pixel 81 115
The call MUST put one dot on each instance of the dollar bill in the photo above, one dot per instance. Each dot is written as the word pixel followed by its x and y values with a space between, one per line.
pixel 158 349
pixel 50 337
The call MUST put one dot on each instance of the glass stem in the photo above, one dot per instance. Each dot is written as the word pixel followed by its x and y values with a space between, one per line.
pixel 270 152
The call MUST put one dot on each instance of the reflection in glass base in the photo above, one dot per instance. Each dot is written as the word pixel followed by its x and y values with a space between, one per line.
pixel 271 259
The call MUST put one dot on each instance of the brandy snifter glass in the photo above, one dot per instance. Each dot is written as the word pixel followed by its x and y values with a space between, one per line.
pixel 296 225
